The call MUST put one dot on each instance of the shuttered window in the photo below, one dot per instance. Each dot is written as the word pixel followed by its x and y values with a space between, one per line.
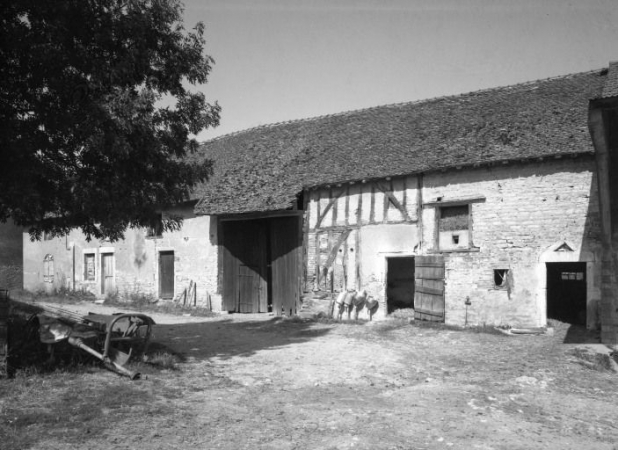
pixel 48 269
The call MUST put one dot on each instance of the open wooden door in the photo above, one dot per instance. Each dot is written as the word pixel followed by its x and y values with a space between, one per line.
pixel 429 288
pixel 286 245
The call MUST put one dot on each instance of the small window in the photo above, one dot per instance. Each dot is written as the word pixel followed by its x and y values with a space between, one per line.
pixel 572 276
pixel 47 236
pixel 454 227
pixel 89 267
pixel 501 278
pixel 156 230
pixel 454 218
pixel 48 269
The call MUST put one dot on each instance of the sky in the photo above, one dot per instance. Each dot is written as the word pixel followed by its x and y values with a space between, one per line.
pixel 281 60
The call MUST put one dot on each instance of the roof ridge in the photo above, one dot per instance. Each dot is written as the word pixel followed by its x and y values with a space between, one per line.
pixel 400 104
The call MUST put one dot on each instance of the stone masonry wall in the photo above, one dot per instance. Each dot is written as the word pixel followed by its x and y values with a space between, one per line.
pixel 527 208
pixel 136 261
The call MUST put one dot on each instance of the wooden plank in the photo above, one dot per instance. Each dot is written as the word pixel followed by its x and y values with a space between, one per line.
pixel 248 289
pixel 230 267
pixel 429 312
pixel 285 252
pixel 429 290
pixel 430 264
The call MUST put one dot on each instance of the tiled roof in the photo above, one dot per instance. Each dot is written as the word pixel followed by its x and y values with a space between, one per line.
pixel 262 169
pixel 611 85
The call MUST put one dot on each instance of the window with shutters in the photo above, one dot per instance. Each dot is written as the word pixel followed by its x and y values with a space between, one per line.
pixel 48 269
pixel 89 267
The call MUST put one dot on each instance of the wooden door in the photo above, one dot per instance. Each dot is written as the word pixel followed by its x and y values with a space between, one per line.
pixel 429 288
pixel 166 275
pixel 285 245
pixel 244 266
pixel 248 289
pixel 107 273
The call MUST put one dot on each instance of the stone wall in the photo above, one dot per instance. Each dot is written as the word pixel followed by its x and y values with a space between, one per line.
pixel 136 260
pixel 526 209
pixel 521 214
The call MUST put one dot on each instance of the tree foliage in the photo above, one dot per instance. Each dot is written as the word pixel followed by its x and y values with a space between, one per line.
pixel 85 141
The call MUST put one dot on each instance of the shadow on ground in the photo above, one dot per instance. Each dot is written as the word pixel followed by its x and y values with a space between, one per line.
pixel 579 334
pixel 230 337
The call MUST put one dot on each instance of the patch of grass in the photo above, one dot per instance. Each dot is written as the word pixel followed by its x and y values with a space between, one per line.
pixel 145 302
pixel 61 295
pixel 70 407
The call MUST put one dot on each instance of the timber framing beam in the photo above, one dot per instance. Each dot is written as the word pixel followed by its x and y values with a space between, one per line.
pixel 391 197
pixel 328 207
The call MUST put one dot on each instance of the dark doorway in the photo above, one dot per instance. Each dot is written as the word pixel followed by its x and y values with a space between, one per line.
pixel 399 283
pixel 566 292
pixel 166 275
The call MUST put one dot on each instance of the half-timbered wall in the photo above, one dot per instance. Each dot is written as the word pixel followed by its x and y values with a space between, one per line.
pixel 520 217
pixel 351 228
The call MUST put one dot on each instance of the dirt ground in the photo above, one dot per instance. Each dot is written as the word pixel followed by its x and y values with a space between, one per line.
pixel 257 382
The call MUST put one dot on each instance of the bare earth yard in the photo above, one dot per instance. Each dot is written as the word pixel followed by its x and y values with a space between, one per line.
pixel 254 382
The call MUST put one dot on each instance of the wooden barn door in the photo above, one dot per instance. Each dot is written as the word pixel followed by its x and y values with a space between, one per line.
pixel 166 275
pixel 244 266
pixel 429 288
pixel 285 245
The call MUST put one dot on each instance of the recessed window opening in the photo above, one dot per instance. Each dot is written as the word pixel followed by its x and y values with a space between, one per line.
pixel 48 269
pixel 500 277
pixel 454 218
pixel 156 229
pixel 453 227
pixel 89 267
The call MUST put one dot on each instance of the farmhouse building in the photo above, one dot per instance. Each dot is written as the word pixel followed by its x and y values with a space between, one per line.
pixel 482 208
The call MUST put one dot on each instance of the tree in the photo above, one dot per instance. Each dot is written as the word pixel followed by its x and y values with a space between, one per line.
pixel 85 139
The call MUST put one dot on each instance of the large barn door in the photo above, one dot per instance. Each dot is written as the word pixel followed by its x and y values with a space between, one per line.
pixel 429 288
pixel 244 266
pixel 285 254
